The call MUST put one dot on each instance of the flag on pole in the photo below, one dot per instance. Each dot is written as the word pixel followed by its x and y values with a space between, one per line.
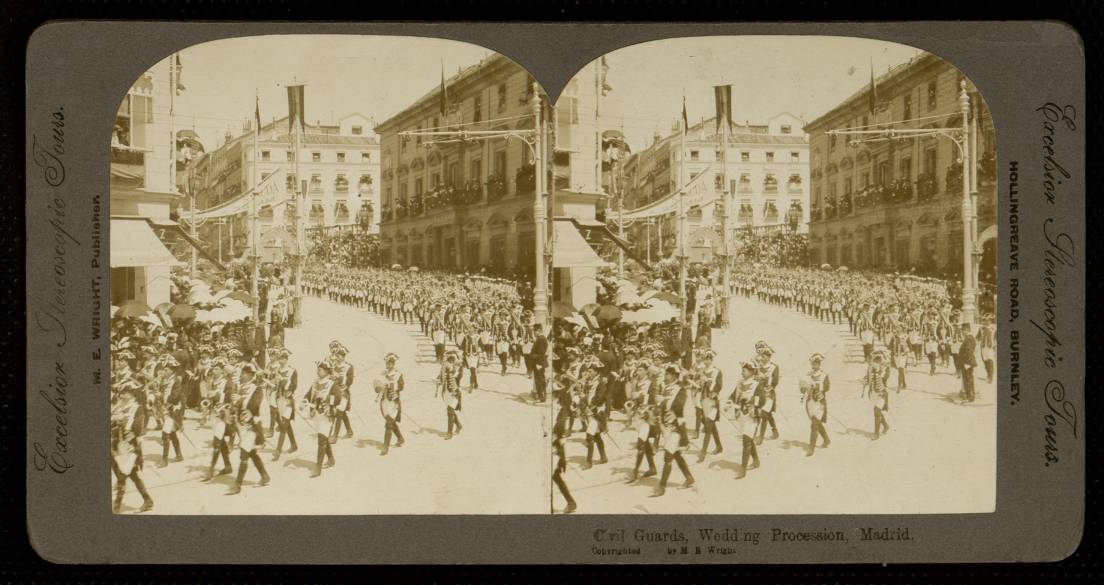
pixel 444 91
pixel 873 89
pixel 604 67
pixel 685 123
pixel 257 114
pixel 723 96
pixel 179 70
pixel 295 107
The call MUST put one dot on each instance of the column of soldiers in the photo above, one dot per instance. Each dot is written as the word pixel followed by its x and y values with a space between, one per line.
pixel 485 319
pixel 914 320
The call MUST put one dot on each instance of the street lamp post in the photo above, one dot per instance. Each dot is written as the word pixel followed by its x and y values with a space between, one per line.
pixel 540 282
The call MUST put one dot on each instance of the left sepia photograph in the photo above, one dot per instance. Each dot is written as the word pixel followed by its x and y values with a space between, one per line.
pixel 327 281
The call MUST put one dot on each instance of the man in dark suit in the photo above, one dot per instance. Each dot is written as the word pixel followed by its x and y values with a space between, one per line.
pixel 969 362
pixel 540 363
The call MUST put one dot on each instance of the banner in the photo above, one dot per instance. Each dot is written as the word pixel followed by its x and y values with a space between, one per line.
pixel 296 108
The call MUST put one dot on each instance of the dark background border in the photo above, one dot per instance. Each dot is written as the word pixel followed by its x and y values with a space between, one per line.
pixel 20 19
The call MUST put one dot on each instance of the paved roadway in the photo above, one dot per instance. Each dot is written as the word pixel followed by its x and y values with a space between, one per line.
pixel 498 465
pixel 939 457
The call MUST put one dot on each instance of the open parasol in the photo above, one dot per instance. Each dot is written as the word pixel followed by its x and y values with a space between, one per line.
pixel 608 313
pixel 562 310
pixel 240 295
pixel 132 308
pixel 182 312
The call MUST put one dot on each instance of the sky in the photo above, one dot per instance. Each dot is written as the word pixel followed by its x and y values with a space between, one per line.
pixel 803 75
pixel 380 76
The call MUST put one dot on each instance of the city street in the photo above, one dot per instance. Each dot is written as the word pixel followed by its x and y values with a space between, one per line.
pixel 498 465
pixel 939 457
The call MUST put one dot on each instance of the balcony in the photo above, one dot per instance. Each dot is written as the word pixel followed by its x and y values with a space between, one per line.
pixel 846 204
pixel 341 185
pixel 794 184
pixel 525 180
pixel 128 165
pixel 926 187
pixel 496 188
pixel 743 186
pixel 770 185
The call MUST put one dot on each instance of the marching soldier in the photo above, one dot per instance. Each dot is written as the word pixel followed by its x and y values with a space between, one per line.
pixel 767 401
pixel 126 449
pixel 448 388
pixel 286 382
pixel 814 391
pixel 171 390
pixel 222 397
pixel 742 404
pixel 250 429
pixel 711 385
pixel 389 390
pixel 594 413
pixel 438 333
pixel 642 419
pixel 671 416
pixel 319 411
pixel 874 386
pixel 343 371
pixel 986 340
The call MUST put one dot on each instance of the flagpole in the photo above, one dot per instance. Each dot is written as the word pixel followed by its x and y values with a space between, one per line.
pixel 682 217
pixel 726 272
pixel 300 206
pixel 253 216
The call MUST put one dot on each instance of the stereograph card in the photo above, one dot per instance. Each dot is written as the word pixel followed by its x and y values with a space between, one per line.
pixel 547 293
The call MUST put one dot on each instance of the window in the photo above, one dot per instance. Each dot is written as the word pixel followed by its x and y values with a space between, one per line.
pixel 501 97
pixel 770 157
pixel 316 156
pixel 365 157
pixel 884 173
pixel 745 156
pixel 454 174
pixel 932 100
pixel 266 155
pixel 388 196
pixel 476 170
pixel 403 187
pixel 500 164
pixel 694 155
pixel 289 156
pixel 929 161
pixel 786 129
pixel 358 130
pixel 847 186
pixel 866 121
pixel 341 157
pixel 316 179
pixel 832 191
pixel 795 156
pixel 906 168
pixel 436 123
pixel 716 155
pixel 908 106
pixel 832 141
pixel 418 187
pixel 435 180
pixel 477 106
pixel 866 179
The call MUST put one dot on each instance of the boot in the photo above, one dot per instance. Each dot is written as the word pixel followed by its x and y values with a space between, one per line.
pixel 661 489
pixel 164 451
pixel 386 439
pixel 176 447
pixel 398 435
pixel 685 469
pixel 590 452
pixel 236 488
pixel 318 461
pixel 601 450
pixel 265 479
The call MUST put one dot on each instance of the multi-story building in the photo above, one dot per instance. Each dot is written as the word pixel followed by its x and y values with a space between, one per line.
pixel 767 169
pixel 142 191
pixel 338 171
pixel 895 202
pixel 461 202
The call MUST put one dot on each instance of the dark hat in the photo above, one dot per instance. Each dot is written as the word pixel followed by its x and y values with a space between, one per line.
pixel 391 357
pixel 816 357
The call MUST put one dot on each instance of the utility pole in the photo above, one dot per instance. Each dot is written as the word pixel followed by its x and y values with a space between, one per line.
pixel 726 256
pixel 540 216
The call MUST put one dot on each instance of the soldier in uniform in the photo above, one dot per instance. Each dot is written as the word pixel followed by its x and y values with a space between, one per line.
pixel 343 371
pixel 250 429
pixel 561 467
pixel 448 388
pixel 986 340
pixel 221 395
pixel 286 382
pixel 389 393
pixel 595 405
pixel 874 386
pixel 745 413
pixel 438 332
pixel 712 381
pixel 319 411
pixel 126 448
pixel 671 418
pixel 768 394
pixel 642 418
pixel 171 390
pixel 814 391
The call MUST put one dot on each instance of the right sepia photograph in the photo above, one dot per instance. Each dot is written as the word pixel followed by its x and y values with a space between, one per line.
pixel 773 281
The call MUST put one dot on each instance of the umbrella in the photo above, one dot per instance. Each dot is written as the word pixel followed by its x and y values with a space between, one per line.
pixel 413 269
pixel 561 309
pixel 668 297
pixel 182 312
pixel 842 269
pixel 578 320
pixel 113 309
pixel 163 308
pixel 590 308
pixel 608 313
pixel 240 295
pixel 825 266
pixel 396 266
pixel 132 309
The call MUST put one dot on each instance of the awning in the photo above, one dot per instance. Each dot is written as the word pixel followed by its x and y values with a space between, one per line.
pixel 603 230
pixel 133 243
pixel 167 225
pixel 571 250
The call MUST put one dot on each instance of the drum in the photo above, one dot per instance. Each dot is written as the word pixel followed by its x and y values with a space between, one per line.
pixel 170 424
pixel 709 408
pixel 814 408
pixel 472 360
pixel 877 399
pixel 389 408
pixel 502 347
pixel 438 337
